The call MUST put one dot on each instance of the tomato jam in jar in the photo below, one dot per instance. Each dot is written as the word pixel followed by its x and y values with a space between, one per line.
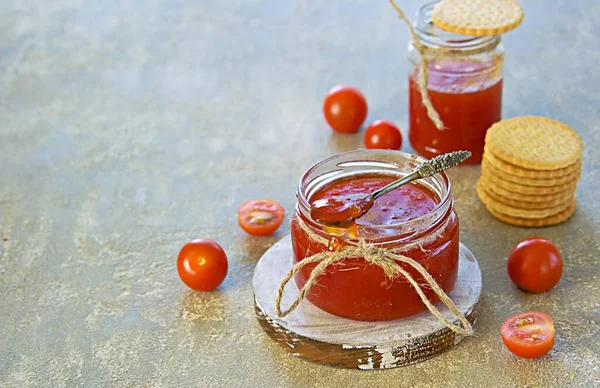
pixel 417 219
pixel 464 86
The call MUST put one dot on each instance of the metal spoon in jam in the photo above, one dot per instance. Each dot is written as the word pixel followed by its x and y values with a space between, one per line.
pixel 342 210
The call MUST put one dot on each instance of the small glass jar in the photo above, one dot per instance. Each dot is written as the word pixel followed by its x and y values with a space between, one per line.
pixel 354 288
pixel 465 88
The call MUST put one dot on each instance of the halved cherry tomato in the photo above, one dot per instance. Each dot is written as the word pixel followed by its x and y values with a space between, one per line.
pixel 383 135
pixel 535 265
pixel 260 217
pixel 529 334
pixel 345 109
pixel 202 264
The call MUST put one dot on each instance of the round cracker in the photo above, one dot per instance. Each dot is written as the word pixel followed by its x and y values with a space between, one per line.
pixel 499 207
pixel 513 170
pixel 535 143
pixel 554 198
pixel 492 180
pixel 487 168
pixel 516 203
pixel 477 17
pixel 532 223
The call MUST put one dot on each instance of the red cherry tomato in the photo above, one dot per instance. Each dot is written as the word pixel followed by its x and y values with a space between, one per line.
pixel 383 135
pixel 345 109
pixel 535 265
pixel 528 335
pixel 202 264
pixel 260 217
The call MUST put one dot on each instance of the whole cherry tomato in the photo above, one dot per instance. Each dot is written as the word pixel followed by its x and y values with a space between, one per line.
pixel 345 109
pixel 535 265
pixel 260 217
pixel 383 135
pixel 202 264
pixel 528 335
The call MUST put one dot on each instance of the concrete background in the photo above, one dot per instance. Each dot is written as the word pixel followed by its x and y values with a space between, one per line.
pixel 130 127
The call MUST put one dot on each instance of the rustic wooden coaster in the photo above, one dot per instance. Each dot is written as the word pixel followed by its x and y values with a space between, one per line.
pixel 311 333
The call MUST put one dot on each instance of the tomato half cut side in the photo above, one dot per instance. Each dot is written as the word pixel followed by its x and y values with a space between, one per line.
pixel 260 217
pixel 529 334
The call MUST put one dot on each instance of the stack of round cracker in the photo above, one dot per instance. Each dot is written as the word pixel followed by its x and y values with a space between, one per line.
pixel 530 169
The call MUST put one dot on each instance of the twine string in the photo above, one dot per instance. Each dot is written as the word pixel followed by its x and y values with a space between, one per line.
pixel 388 260
pixel 423 76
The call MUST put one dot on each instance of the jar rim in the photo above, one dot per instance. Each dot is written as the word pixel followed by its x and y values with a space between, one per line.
pixel 383 159
pixel 432 36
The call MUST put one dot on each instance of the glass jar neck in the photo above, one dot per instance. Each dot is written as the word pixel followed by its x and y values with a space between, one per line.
pixel 434 37
pixel 362 163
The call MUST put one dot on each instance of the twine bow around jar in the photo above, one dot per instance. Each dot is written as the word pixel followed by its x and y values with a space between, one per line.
pixel 389 260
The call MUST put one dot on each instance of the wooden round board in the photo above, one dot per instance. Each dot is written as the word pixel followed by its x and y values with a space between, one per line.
pixel 311 333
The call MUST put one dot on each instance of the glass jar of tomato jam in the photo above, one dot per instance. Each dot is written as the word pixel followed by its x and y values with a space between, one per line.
pixel 465 88
pixel 418 216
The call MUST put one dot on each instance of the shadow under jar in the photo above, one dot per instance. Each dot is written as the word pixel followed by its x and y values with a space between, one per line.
pixel 419 216
pixel 465 88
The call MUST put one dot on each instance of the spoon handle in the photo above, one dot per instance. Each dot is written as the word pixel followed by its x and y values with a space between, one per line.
pixel 431 167
pixel 395 184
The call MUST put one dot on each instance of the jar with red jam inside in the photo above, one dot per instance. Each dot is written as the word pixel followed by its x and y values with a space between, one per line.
pixel 418 219
pixel 464 86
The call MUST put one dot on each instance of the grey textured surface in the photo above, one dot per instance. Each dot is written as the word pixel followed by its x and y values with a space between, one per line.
pixel 129 127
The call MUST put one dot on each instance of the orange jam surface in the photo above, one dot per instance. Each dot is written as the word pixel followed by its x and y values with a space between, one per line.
pixel 467 104
pixel 358 290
